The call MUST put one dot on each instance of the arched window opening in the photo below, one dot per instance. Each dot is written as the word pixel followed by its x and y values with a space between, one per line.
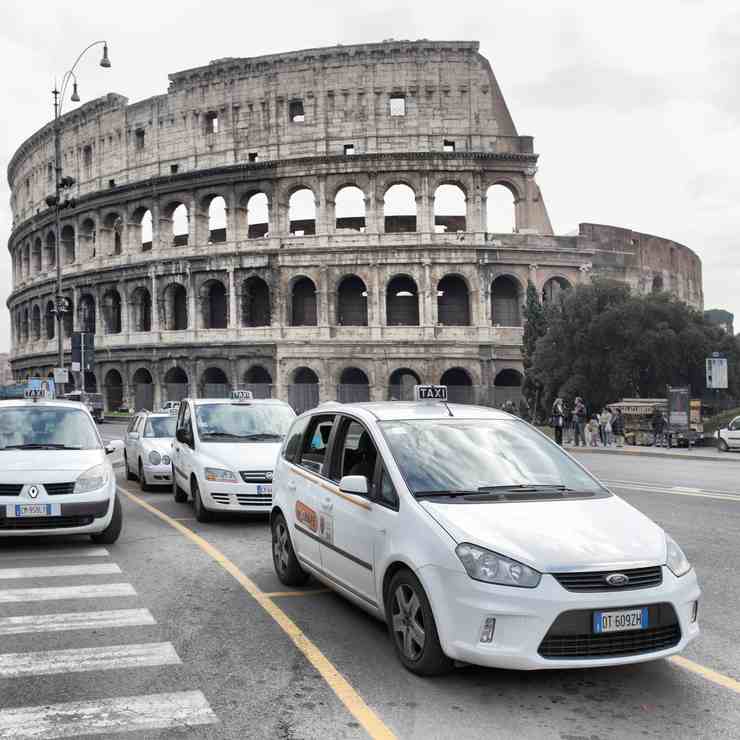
pixel 453 302
pixel 141 310
pixel 255 302
pixel 259 381
pixel 349 205
pixel 176 384
pixel 50 250
pixel 303 303
pixel 36 323
pixel 215 383
pixel 26 260
pixel 50 320
pixel 352 302
pixel 500 210
pixel 68 244
pixel 657 284
pixel 175 307
pixel 217 220
pixel 401 385
pixel 87 314
pixel 68 319
pixel 143 390
pixel 459 385
pixel 36 256
pixel 553 291
pixel 303 393
pixel 24 324
pixel 399 209
pixel 212 122
pixel 91 382
pixel 302 213
pixel 88 237
pixel 113 383
pixel 113 230
pixel 449 209
pixel 354 386
pixel 258 216
pixel 112 312
pixel 402 302
pixel 505 310
pixel 215 305
pixel 508 386
pixel 144 219
pixel 180 226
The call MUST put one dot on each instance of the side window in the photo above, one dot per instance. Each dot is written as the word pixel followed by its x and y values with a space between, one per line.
pixel 356 453
pixel 185 423
pixel 295 437
pixel 315 442
pixel 386 491
pixel 132 424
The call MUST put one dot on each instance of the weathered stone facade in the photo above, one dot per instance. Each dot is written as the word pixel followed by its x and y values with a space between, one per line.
pixel 332 301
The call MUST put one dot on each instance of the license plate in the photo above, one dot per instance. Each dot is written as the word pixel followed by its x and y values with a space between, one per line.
pixel 265 490
pixel 21 511
pixel 621 621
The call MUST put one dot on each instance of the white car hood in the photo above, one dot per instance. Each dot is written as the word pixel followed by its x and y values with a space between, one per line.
pixel 553 536
pixel 240 456
pixel 46 466
pixel 162 445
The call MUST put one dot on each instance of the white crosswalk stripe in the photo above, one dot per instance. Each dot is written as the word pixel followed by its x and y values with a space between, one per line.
pixel 58 571
pixel 92 591
pixel 36 623
pixel 123 714
pixel 55 552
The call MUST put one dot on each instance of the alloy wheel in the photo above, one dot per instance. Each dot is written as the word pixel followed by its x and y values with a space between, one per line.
pixel 408 621
pixel 280 546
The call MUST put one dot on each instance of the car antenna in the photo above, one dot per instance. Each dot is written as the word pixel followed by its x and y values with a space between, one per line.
pixel 449 410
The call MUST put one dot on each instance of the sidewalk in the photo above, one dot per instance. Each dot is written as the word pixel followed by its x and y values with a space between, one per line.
pixel 675 453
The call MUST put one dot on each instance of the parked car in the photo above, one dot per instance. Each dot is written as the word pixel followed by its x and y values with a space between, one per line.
pixel 148 454
pixel 728 437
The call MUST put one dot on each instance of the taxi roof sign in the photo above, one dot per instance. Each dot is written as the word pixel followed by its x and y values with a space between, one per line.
pixel 39 389
pixel 430 393
pixel 241 396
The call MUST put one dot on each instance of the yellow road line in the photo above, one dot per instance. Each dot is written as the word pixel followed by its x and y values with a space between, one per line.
pixel 719 678
pixel 356 705
pixel 276 594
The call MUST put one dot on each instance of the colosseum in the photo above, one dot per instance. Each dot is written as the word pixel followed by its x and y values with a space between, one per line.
pixel 335 223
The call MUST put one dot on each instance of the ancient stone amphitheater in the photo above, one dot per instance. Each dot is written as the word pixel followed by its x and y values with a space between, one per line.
pixel 329 223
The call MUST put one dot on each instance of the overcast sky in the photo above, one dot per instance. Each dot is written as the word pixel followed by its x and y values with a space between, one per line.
pixel 634 106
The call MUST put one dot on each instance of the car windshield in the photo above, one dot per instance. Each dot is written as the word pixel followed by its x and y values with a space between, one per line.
pixel 484 457
pixel 243 422
pixel 42 428
pixel 160 426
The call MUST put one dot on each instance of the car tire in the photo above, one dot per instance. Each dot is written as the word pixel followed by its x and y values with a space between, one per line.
pixel 287 567
pixel 111 533
pixel 201 513
pixel 181 497
pixel 142 480
pixel 412 627
pixel 723 446
pixel 129 474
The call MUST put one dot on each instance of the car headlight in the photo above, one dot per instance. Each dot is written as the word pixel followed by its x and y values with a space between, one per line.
pixel 675 559
pixel 165 459
pixel 219 475
pixel 155 458
pixel 489 567
pixel 92 479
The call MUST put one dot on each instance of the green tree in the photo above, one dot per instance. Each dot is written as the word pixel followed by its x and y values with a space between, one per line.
pixel 535 327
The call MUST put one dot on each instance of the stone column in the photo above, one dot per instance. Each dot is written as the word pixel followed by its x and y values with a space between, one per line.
pixel 373 206
pixel 426 311
pixel 232 299
pixel 322 215
pixel 485 296
pixel 197 224
pixel 322 297
pixel 155 301
pixel 76 312
pixel 125 307
pixel 424 208
pixel 233 231
pixel 193 321
pixel 380 292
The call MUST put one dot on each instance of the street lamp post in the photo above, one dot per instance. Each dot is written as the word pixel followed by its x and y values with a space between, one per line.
pixel 61 304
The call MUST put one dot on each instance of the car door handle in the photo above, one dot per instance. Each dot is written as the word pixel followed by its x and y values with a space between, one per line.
pixel 382 531
pixel 291 485
pixel 327 504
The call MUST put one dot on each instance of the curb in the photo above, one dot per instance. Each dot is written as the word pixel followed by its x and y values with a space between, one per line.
pixel 663 455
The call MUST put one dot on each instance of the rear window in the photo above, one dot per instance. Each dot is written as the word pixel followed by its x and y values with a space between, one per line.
pixel 46 428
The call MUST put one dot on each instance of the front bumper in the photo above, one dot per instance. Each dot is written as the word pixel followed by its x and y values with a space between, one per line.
pixel 158 475
pixel 524 617
pixel 242 497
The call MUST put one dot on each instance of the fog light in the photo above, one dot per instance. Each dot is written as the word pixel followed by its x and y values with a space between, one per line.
pixel 694 611
pixel 486 634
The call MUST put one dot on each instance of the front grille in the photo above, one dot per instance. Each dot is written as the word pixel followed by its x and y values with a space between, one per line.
pixel 256 476
pixel 59 489
pixel 248 499
pixel 596 580
pixel 10 489
pixel 610 645
pixel 46 522
pixel 220 498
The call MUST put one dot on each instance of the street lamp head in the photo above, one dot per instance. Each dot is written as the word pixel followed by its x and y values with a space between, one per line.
pixel 105 62
pixel 75 96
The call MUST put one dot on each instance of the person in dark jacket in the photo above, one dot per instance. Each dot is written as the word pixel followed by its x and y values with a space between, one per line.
pixel 618 427
pixel 579 421
pixel 557 419
pixel 658 423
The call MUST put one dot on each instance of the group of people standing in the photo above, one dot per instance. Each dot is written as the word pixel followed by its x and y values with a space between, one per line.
pixel 575 426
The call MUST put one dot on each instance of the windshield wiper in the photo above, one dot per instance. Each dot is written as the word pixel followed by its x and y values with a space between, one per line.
pixel 224 435
pixel 526 487
pixel 39 446
pixel 263 435
pixel 446 493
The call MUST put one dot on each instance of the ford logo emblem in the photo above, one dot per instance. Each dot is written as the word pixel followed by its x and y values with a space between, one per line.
pixel 617 579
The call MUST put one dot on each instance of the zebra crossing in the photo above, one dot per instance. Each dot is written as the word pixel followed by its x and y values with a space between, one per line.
pixel 84 716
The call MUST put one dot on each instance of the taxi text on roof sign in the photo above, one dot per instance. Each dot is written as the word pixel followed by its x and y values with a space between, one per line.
pixel 241 395
pixel 430 392
pixel 38 388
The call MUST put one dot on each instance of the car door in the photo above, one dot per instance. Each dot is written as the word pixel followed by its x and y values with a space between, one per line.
pixel 308 485
pixel 733 433
pixel 347 521
pixel 183 448
pixel 132 435
pixel 386 532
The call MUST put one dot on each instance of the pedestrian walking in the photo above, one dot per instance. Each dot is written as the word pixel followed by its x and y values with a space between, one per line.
pixel 579 421
pixel 605 423
pixel 658 424
pixel 618 428
pixel 557 419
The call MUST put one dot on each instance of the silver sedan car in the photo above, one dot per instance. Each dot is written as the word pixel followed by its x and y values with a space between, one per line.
pixel 148 449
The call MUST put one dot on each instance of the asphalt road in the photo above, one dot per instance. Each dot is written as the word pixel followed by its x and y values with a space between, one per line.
pixel 230 670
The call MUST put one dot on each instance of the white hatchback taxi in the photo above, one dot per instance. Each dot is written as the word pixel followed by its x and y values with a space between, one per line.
pixel 55 475
pixel 224 452
pixel 728 437
pixel 476 539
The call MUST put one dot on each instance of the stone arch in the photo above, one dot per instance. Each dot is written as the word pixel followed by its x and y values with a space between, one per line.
pixel 88 238
pixel 176 384
pixel 143 228
pixel 35 322
pixel 113 385
pixel 402 301
pixel 112 311
pixel 399 208
pixel 303 308
pixel 36 256
pixel 112 234
pixel 453 301
pixel 554 289
pixel 258 214
pixel 352 302
pixel 657 284
pixel 140 304
pixel 50 320
pixel 459 385
pixel 68 318
pixel 143 385
pixel 401 384
pixel 501 199
pixel 506 293
pixel 450 209
pixel 349 208
pixel 86 313
pixel 175 307
pixel 354 386
pixel 177 212
pixel 214 383
pixel 216 218
pixel 256 309
pixel 302 211
pixel 50 250
pixel 303 392
pixel 90 382
pixel 215 304
pixel 508 377
pixel 68 244
pixel 258 380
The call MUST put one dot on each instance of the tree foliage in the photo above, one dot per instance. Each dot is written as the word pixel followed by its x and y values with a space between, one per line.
pixel 604 344
pixel 535 327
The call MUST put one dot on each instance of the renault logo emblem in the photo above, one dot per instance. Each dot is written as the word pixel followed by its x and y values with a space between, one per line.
pixel 268 475
pixel 33 491
pixel 617 579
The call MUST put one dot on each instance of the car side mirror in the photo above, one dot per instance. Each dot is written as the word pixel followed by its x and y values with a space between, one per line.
pixel 134 435
pixel 113 445
pixel 355 484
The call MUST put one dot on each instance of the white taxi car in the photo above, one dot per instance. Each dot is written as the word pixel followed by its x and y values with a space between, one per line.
pixel 225 450
pixel 148 453
pixel 55 475
pixel 476 539
pixel 728 437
